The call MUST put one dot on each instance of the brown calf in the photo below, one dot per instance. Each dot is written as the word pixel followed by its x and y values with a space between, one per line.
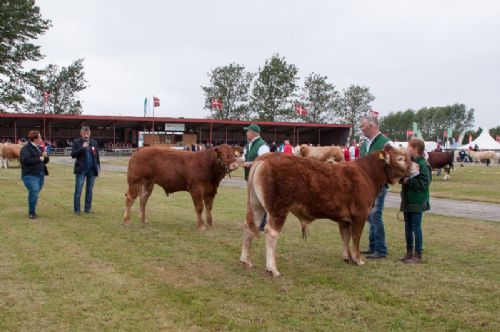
pixel 309 189
pixel 199 173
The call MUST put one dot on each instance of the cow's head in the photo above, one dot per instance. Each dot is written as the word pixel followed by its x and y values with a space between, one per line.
pixel 225 157
pixel 397 163
pixel 303 149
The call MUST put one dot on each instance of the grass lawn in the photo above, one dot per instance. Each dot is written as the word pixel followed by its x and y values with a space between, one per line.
pixel 64 272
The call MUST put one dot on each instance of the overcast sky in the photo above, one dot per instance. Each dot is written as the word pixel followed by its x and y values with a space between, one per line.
pixel 411 54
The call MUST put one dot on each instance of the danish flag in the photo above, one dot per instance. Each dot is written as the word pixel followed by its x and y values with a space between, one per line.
pixel 217 103
pixel 300 110
pixel 156 101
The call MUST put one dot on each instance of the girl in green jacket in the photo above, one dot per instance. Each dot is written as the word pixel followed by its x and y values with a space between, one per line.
pixel 414 201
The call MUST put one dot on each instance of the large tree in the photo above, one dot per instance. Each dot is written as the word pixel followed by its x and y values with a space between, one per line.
pixel 354 103
pixel 62 84
pixel 273 91
pixel 319 98
pixel 20 23
pixel 231 84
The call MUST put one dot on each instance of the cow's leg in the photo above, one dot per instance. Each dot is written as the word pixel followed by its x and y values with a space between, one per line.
pixel 209 202
pixel 345 233
pixel 248 236
pixel 197 196
pixel 146 190
pixel 356 230
pixel 130 196
pixel 271 241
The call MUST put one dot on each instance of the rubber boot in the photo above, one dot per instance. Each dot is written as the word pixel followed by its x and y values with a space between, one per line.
pixel 416 259
pixel 408 255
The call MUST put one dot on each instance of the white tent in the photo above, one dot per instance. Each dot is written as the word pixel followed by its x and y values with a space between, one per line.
pixel 484 141
pixel 429 145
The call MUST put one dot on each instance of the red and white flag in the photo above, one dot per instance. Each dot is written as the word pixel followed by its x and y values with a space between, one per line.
pixel 217 104
pixel 46 96
pixel 156 101
pixel 373 113
pixel 300 110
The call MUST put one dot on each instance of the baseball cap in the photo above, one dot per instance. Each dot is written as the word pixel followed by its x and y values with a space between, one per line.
pixel 253 127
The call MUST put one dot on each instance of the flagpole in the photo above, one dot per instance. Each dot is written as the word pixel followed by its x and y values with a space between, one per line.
pixel 153 113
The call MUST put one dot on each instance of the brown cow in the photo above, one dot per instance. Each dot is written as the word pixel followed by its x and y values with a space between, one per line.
pixel 9 151
pixel 346 192
pixel 442 159
pixel 199 173
pixel 332 154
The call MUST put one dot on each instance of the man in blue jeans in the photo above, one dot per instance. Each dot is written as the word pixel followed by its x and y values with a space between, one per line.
pixel 375 141
pixel 87 167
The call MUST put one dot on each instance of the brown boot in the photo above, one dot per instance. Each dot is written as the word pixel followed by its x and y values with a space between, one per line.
pixel 408 255
pixel 416 259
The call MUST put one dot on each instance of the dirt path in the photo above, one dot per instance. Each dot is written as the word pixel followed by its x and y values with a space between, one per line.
pixel 440 206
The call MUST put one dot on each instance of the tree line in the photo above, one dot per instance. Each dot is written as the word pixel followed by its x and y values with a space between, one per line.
pixel 452 121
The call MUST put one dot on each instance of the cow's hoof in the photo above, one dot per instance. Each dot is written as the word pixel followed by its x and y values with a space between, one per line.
pixel 202 228
pixel 274 273
pixel 126 223
pixel 247 263
pixel 360 262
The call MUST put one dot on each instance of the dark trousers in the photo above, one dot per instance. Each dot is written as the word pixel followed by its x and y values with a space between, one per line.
pixel 413 230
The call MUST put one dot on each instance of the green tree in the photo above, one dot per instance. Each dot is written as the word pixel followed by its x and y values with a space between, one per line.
pixel 63 84
pixel 319 98
pixel 354 103
pixel 273 91
pixel 20 23
pixel 494 132
pixel 396 124
pixel 231 84
pixel 433 121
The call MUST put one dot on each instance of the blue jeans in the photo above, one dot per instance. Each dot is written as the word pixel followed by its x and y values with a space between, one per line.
pixel 80 179
pixel 413 228
pixel 34 183
pixel 377 232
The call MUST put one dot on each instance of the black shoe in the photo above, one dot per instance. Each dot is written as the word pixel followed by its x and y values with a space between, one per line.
pixel 367 252
pixel 77 213
pixel 88 212
pixel 33 216
pixel 375 255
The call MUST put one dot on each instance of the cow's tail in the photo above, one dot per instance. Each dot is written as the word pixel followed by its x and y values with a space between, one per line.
pixel 452 159
pixel 253 201
pixel 305 230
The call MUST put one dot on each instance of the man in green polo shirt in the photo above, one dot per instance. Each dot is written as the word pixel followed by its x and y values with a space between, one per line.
pixel 374 141
pixel 255 147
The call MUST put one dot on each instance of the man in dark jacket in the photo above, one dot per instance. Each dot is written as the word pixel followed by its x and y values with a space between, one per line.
pixel 87 167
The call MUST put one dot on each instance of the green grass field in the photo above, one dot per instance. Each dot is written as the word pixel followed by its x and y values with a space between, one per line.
pixel 64 272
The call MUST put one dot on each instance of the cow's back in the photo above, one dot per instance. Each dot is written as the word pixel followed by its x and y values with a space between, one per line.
pixel 171 169
pixel 11 151
pixel 312 188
